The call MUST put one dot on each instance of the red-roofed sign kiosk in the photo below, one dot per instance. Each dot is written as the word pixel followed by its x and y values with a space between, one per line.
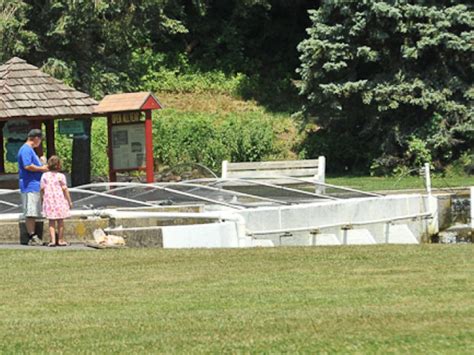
pixel 130 132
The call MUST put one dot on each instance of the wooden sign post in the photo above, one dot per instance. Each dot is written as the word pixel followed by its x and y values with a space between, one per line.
pixel 130 132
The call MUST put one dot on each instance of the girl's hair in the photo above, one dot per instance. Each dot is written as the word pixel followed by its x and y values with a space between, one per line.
pixel 54 163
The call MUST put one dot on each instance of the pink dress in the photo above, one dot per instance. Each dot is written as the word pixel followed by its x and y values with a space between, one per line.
pixel 55 205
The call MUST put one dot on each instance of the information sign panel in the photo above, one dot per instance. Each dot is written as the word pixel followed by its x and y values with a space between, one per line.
pixel 126 117
pixel 128 146
pixel 16 132
pixel 71 127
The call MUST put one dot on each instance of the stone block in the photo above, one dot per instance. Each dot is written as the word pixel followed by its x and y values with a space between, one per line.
pixel 75 230
pixel 141 238
pixel 154 221
pixel 80 230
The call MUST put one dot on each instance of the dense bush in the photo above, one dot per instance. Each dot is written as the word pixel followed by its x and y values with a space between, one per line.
pixel 210 138
pixel 155 71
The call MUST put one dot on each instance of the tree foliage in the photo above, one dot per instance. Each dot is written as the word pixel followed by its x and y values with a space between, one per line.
pixel 109 46
pixel 389 83
pixel 92 41
pixel 15 39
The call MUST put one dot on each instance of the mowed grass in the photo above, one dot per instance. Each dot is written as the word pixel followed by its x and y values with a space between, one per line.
pixel 374 183
pixel 416 299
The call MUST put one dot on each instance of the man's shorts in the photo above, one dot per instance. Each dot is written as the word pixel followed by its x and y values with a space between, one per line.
pixel 31 202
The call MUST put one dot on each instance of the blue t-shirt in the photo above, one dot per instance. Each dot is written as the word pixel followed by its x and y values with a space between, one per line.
pixel 29 180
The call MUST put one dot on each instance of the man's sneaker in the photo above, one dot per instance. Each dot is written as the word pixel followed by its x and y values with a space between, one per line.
pixel 35 241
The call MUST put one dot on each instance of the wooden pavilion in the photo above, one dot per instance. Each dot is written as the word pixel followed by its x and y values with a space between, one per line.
pixel 26 93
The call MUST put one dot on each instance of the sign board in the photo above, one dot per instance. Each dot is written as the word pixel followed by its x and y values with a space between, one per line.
pixel 16 132
pixel 16 129
pixel 126 117
pixel 130 132
pixel 12 150
pixel 71 127
pixel 128 146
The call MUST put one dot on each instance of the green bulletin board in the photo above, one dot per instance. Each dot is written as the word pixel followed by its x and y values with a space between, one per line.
pixel 71 127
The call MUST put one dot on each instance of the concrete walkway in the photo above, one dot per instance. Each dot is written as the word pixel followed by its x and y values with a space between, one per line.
pixel 73 247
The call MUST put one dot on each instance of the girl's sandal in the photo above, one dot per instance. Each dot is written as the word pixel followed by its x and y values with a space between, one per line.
pixel 63 244
pixel 51 245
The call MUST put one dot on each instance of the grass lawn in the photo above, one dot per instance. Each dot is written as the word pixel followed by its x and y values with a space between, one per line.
pixel 371 183
pixel 321 299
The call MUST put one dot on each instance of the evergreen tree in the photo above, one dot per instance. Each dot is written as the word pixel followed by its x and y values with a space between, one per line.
pixel 389 83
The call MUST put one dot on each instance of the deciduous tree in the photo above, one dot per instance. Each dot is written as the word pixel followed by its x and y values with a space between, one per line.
pixel 15 39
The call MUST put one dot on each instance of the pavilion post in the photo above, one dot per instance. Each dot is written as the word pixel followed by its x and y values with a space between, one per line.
pixel 150 175
pixel 2 151
pixel 50 146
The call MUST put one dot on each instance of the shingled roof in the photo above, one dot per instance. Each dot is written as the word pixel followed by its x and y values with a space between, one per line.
pixel 27 92
pixel 134 101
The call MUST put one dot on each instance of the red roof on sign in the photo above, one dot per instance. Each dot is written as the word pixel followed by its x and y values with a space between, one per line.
pixel 135 101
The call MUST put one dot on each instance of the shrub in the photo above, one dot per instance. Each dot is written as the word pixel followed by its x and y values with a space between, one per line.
pixel 100 160
pixel 463 166
pixel 417 153
pixel 155 71
pixel 64 149
pixel 210 138
pixel 180 138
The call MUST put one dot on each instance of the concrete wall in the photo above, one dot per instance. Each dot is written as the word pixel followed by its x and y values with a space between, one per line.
pixel 336 212
pixel 212 235
pixel 78 230
pixel 141 238
pixel 190 233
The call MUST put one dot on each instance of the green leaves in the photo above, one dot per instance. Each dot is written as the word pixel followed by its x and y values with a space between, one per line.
pixel 15 38
pixel 209 139
pixel 393 66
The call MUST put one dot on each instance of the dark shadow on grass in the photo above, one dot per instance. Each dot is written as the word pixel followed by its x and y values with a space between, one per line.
pixel 277 94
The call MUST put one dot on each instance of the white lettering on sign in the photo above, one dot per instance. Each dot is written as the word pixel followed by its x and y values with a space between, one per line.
pixel 126 117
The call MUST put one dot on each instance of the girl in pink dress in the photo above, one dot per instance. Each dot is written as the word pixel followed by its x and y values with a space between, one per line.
pixel 56 201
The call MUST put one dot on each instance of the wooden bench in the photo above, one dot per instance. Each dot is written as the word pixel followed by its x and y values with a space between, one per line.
pixel 310 169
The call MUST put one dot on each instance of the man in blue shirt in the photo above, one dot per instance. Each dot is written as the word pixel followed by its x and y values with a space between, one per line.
pixel 30 169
